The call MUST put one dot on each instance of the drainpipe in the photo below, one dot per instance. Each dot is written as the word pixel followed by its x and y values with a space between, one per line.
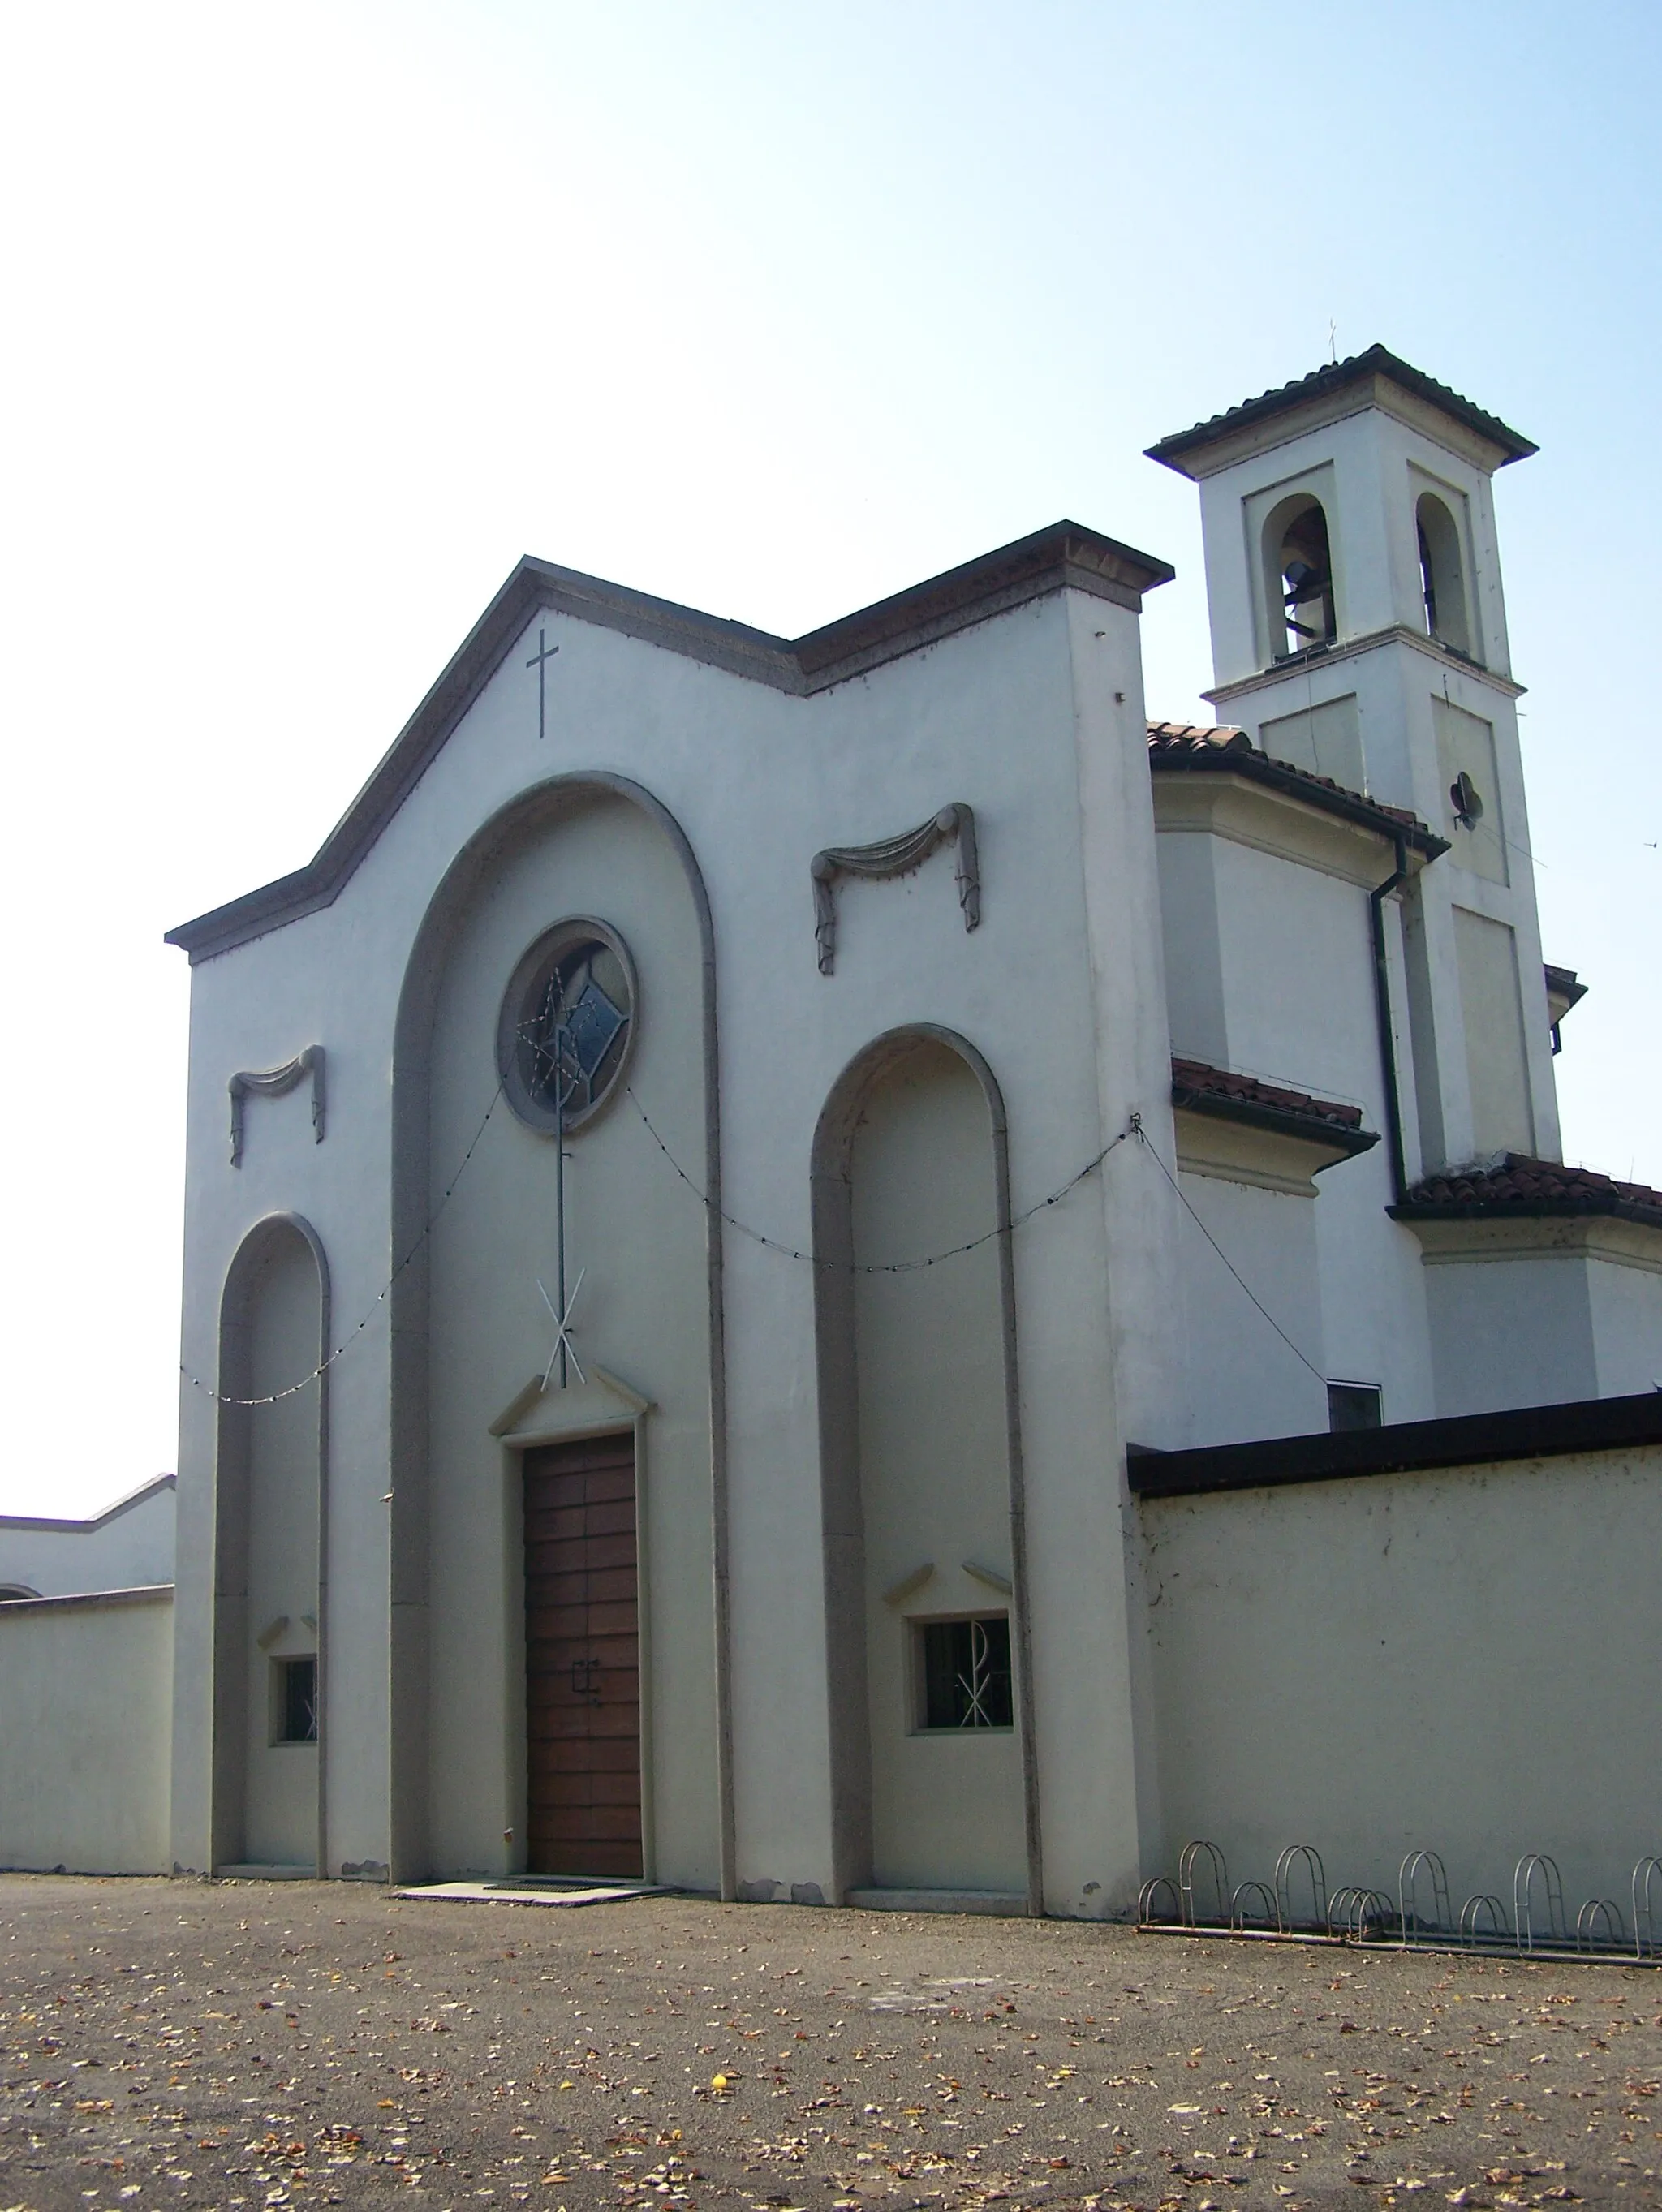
pixel 1387 1043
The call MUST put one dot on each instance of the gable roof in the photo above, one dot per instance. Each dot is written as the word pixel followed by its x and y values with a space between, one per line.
pixel 1066 555
pixel 1201 747
pixel 1332 377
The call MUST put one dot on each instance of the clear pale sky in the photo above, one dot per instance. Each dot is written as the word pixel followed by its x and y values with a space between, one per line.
pixel 316 318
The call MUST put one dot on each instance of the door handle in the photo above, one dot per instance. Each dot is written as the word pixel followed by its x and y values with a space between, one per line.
pixel 583 1675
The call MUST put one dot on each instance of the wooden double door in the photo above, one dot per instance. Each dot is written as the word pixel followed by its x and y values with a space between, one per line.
pixel 583 1659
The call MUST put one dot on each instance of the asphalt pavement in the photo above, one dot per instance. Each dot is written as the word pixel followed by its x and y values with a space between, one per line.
pixel 252 2044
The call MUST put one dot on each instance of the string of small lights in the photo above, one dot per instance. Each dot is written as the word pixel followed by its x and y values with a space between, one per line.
pixel 1134 1128
pixel 274 1397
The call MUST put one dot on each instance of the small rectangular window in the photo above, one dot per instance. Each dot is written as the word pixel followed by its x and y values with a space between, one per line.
pixel 295 1701
pixel 1353 1405
pixel 964 1672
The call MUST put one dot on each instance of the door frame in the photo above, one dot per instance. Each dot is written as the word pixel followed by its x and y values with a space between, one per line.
pixel 513 1450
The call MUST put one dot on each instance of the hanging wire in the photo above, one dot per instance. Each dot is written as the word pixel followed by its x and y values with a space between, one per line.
pixel 274 1397
pixel 1133 1129
pixel 1154 1153
pixel 880 1267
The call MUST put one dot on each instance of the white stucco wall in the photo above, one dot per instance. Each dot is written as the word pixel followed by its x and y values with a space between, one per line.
pixel 641 1315
pixel 1269 971
pixel 130 1543
pixel 1540 1312
pixel 1440 1661
pixel 935 1477
pixel 84 1729
pixel 1245 1378
pixel 279 1823
pixel 1035 717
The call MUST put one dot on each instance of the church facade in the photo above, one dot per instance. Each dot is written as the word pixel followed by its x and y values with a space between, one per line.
pixel 711 1193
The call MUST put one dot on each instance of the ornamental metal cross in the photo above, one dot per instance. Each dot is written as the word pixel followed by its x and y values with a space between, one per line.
pixel 564 1349
pixel 540 661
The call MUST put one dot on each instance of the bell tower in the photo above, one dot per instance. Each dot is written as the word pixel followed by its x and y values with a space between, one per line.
pixel 1359 632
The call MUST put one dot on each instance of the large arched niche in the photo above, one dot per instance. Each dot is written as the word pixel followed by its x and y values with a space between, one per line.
pixel 469 1331
pixel 270 1565
pixel 921 1466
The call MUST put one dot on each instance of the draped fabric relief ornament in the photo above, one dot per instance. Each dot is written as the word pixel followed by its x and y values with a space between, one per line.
pixel 896 856
pixel 276 1083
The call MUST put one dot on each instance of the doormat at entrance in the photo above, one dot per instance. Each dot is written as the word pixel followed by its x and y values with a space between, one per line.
pixel 532 1889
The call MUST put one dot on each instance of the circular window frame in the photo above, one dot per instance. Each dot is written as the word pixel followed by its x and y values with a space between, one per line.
pixel 533 964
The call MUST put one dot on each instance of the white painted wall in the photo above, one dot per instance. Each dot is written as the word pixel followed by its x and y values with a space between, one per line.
pixel 128 1544
pixel 1244 1380
pixel 1533 1313
pixel 1036 717
pixel 1270 972
pixel 84 1732
pixel 1625 1296
pixel 934 1475
pixel 642 1315
pixel 1406 1661
pixel 282 1609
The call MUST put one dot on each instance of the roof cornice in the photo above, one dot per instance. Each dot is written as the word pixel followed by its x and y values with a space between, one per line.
pixel 1191 452
pixel 1064 557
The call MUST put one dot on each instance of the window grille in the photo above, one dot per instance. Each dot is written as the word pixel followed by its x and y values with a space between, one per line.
pixel 964 1673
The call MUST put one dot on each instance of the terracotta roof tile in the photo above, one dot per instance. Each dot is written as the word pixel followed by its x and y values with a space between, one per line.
pixel 1197 738
pixel 1520 1185
pixel 1180 745
pixel 1194 1082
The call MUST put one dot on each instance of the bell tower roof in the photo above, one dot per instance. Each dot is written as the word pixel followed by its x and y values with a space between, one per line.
pixel 1377 378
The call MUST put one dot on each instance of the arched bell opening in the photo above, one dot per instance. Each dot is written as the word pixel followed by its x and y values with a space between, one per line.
pixel 1442 574
pixel 270 1562
pixel 933 1780
pixel 1298 571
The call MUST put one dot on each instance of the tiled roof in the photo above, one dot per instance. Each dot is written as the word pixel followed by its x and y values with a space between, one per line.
pixel 1207 1090
pixel 1197 738
pixel 1333 376
pixel 1519 1185
pixel 1190 746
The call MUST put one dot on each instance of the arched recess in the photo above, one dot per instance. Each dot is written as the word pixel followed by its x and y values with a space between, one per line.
pixel 471 881
pixel 270 1552
pixel 921 1468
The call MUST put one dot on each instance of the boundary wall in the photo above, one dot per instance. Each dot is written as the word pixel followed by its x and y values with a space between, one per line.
pixel 86 1717
pixel 1465 1659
